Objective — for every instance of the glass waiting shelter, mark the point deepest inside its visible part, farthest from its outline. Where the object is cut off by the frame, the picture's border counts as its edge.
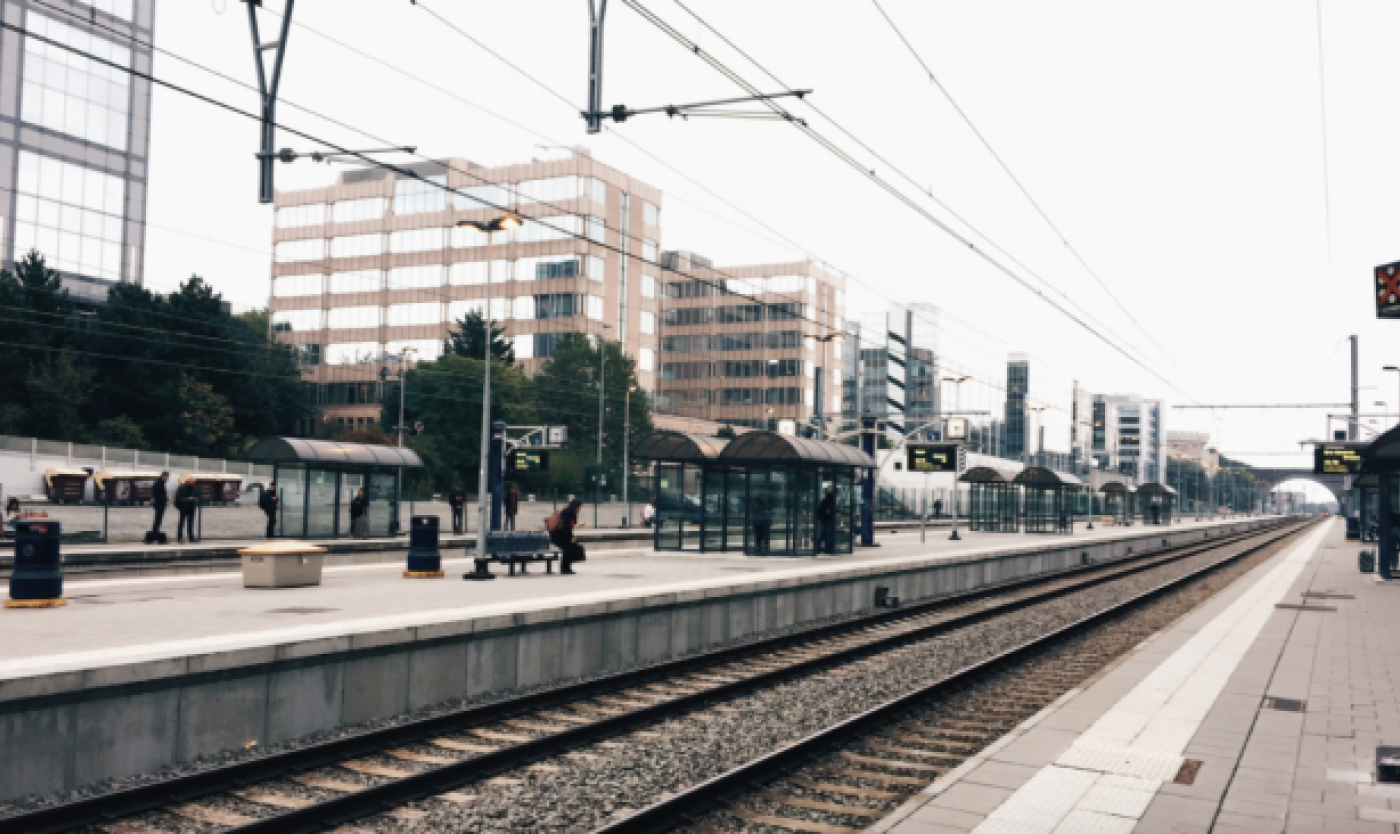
(1048, 498)
(1118, 498)
(1156, 503)
(763, 493)
(994, 500)
(1368, 486)
(317, 479)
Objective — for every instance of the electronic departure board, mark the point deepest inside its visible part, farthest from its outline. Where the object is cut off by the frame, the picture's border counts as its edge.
(528, 461)
(1336, 460)
(940, 457)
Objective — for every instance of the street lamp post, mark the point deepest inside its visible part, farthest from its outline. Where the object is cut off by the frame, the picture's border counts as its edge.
(602, 385)
(403, 384)
(626, 454)
(957, 407)
(505, 223)
(820, 412)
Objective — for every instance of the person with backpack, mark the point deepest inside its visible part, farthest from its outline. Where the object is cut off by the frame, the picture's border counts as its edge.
(359, 515)
(267, 502)
(561, 533)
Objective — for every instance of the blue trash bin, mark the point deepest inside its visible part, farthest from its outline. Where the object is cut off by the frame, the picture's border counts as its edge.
(37, 580)
(424, 558)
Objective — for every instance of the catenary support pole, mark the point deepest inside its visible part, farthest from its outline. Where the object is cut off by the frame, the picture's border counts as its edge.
(482, 465)
(268, 85)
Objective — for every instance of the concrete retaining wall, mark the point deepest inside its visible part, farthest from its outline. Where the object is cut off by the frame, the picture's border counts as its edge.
(60, 731)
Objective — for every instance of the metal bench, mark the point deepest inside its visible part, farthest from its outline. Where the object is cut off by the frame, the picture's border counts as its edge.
(512, 548)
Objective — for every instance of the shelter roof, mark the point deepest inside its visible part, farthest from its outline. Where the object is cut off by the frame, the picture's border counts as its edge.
(675, 445)
(1117, 487)
(765, 446)
(987, 475)
(304, 450)
(1384, 451)
(1040, 476)
(1154, 488)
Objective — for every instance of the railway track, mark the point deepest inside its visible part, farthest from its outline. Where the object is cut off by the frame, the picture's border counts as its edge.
(402, 774)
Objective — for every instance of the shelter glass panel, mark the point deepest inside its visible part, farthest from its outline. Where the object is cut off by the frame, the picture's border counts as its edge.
(291, 505)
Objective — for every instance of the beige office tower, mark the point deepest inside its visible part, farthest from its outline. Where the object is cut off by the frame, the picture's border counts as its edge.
(376, 267)
(736, 346)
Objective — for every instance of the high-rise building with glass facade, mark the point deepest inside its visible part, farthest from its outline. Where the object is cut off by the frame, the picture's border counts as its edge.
(735, 344)
(376, 265)
(75, 138)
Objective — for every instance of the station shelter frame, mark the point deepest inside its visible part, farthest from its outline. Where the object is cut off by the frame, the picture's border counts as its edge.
(1048, 499)
(1156, 503)
(317, 479)
(1118, 501)
(1382, 459)
(758, 494)
(1367, 486)
(994, 501)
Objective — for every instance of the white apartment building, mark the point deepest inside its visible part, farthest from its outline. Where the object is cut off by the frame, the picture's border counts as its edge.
(376, 264)
(1124, 436)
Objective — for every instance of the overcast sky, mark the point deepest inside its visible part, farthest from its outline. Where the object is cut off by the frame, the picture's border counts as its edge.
(1178, 148)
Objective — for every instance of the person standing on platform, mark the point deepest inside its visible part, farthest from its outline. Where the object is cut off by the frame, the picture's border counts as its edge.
(762, 524)
(359, 515)
(268, 504)
(186, 500)
(511, 507)
(159, 501)
(562, 535)
(938, 508)
(826, 522)
(649, 512)
(457, 500)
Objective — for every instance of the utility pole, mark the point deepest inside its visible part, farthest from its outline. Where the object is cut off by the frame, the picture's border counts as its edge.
(1355, 391)
(268, 84)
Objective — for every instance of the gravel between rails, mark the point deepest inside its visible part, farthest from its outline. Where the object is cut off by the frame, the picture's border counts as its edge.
(580, 791)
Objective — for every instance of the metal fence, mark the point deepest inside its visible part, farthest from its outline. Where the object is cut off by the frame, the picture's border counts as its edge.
(105, 457)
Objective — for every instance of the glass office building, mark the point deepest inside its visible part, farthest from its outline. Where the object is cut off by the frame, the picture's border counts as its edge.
(75, 138)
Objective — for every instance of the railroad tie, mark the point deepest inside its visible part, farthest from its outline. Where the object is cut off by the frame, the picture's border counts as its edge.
(325, 784)
(425, 758)
(893, 764)
(377, 770)
(828, 807)
(464, 746)
(794, 825)
(199, 813)
(276, 800)
(881, 777)
(496, 735)
(846, 790)
(125, 827)
(453, 796)
(537, 726)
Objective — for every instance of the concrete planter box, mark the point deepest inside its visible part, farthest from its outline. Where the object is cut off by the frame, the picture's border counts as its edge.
(283, 565)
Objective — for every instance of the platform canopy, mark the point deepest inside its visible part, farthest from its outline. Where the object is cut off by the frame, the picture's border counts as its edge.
(987, 475)
(1117, 488)
(679, 446)
(331, 453)
(1154, 488)
(758, 447)
(1384, 452)
(1042, 477)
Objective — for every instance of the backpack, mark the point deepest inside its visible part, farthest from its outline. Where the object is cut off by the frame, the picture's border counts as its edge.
(554, 523)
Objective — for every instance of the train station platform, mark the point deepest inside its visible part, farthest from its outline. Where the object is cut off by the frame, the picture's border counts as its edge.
(139, 672)
(1262, 711)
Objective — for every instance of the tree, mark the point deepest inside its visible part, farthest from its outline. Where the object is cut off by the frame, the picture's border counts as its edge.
(120, 432)
(727, 432)
(58, 390)
(445, 396)
(567, 390)
(206, 417)
(467, 335)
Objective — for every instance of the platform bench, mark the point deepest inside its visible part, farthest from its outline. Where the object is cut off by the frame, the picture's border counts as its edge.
(512, 548)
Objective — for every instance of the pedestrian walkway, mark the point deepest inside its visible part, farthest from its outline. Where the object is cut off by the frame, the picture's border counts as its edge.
(1260, 712)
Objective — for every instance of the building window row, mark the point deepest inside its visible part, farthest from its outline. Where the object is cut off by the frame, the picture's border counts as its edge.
(71, 93)
(772, 340)
(429, 276)
(71, 214)
(369, 353)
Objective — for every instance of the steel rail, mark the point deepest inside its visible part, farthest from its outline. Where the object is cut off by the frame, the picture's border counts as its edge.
(682, 808)
(143, 798)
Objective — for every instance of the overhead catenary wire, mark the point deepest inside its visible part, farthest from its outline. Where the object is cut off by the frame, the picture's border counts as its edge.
(1017, 180)
(900, 196)
(725, 290)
